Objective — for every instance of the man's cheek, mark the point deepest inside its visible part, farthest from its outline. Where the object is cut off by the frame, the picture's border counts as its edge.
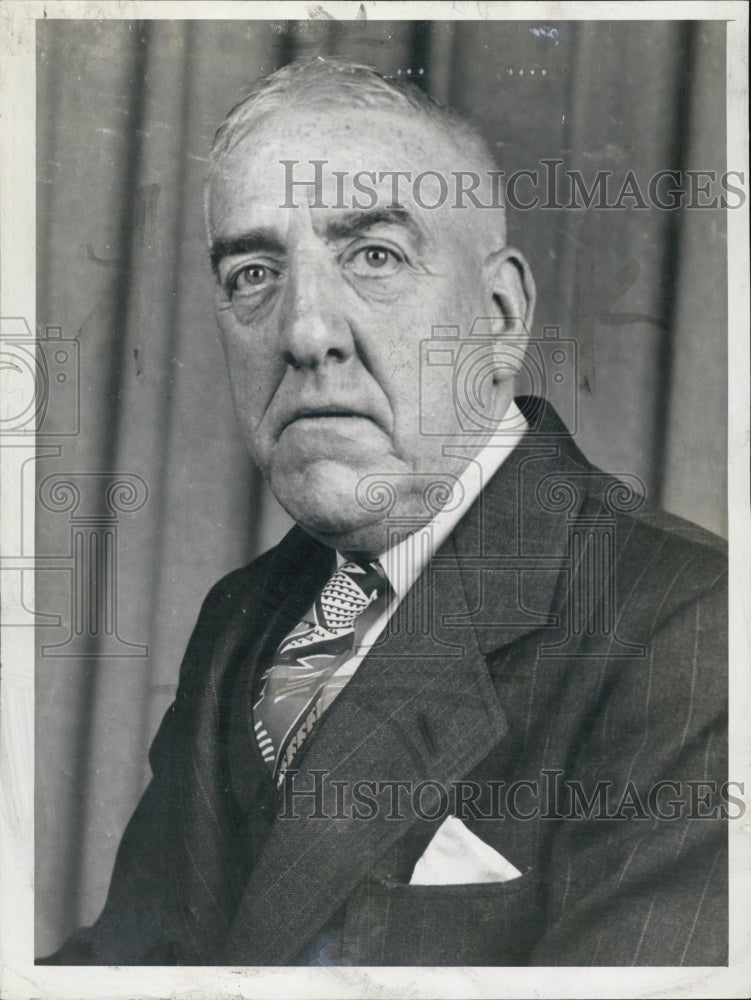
(251, 393)
(248, 371)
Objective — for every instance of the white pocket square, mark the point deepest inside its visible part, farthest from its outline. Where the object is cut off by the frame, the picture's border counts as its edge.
(456, 856)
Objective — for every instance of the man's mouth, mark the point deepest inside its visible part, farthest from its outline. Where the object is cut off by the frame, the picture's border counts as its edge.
(340, 417)
(326, 412)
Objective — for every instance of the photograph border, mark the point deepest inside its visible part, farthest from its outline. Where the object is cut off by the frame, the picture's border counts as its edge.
(19, 977)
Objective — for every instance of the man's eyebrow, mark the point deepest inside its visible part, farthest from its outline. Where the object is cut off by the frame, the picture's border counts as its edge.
(259, 240)
(352, 223)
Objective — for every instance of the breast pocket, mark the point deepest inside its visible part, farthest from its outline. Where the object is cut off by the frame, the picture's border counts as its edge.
(491, 923)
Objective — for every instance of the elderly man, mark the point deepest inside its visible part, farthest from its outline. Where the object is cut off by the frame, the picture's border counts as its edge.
(470, 710)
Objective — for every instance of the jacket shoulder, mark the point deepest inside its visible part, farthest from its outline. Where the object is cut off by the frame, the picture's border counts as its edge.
(664, 564)
(682, 530)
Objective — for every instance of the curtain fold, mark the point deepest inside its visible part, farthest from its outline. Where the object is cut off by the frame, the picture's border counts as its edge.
(127, 111)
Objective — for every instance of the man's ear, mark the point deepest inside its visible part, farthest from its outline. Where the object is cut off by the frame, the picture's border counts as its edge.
(510, 288)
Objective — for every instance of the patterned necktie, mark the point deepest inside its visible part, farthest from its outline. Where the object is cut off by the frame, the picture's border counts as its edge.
(300, 685)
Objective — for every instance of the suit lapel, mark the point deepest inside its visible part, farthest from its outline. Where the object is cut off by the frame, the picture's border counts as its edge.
(513, 543)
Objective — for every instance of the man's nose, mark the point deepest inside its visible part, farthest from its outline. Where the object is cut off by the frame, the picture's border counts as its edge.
(315, 330)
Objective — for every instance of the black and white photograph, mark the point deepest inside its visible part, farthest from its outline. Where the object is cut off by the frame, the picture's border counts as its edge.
(376, 507)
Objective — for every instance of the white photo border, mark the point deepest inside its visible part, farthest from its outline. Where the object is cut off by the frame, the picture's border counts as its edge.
(19, 977)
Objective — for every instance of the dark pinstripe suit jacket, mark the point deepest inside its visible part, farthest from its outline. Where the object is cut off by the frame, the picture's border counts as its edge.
(562, 659)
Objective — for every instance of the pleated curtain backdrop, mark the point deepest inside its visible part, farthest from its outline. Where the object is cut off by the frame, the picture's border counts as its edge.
(126, 114)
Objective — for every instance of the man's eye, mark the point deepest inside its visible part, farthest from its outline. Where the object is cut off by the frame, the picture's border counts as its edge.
(375, 260)
(377, 256)
(248, 278)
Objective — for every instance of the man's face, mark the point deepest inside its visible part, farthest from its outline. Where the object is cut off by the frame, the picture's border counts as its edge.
(322, 310)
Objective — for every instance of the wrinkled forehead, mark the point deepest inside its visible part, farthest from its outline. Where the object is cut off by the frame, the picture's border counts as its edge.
(326, 158)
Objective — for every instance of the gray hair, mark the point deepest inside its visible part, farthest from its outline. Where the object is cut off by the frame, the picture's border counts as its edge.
(323, 81)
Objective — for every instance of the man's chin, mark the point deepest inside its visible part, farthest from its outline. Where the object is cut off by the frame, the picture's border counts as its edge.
(329, 501)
